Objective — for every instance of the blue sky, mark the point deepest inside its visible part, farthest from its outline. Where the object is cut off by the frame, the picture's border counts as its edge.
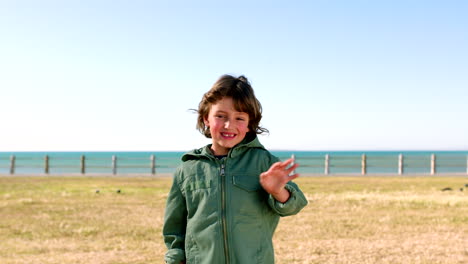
(331, 75)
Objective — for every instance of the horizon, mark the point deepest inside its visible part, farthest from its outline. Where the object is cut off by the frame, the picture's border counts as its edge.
(270, 150)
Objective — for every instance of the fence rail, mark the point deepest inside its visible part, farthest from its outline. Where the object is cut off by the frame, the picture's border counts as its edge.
(83, 164)
(327, 164)
(400, 163)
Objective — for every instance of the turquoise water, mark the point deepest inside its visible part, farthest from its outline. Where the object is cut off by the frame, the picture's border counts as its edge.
(379, 162)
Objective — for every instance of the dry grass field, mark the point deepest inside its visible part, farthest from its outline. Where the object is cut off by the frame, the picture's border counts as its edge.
(348, 220)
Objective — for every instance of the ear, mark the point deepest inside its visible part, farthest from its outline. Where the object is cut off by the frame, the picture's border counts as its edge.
(207, 123)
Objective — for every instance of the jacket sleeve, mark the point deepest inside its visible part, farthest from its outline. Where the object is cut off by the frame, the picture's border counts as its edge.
(293, 205)
(175, 222)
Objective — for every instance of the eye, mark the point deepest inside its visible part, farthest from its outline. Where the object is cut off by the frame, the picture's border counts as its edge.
(219, 116)
(241, 119)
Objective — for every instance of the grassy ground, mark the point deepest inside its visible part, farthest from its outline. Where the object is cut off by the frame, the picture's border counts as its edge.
(348, 220)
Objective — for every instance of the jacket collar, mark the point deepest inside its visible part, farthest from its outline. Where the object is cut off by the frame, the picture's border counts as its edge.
(250, 141)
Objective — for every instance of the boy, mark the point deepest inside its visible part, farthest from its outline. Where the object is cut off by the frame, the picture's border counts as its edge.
(227, 197)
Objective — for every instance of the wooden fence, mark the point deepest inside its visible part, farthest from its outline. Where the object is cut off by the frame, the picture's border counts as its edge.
(326, 164)
(83, 167)
(400, 164)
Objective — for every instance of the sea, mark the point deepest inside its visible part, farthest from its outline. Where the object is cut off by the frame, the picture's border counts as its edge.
(311, 162)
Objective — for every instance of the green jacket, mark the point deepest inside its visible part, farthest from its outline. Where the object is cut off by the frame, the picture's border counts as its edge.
(217, 211)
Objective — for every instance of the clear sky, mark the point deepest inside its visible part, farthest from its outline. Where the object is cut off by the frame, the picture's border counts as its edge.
(331, 75)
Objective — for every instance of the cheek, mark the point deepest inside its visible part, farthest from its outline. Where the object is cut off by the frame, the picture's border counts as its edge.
(215, 125)
(244, 128)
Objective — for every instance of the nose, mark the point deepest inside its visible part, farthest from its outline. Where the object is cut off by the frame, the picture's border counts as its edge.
(227, 124)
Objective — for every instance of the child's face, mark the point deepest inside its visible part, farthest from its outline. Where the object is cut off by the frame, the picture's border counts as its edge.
(228, 127)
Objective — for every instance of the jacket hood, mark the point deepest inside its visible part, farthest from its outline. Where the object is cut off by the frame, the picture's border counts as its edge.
(205, 152)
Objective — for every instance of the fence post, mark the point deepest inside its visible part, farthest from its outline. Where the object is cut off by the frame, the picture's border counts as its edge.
(153, 164)
(363, 164)
(400, 164)
(114, 164)
(433, 164)
(327, 164)
(12, 164)
(46, 164)
(82, 164)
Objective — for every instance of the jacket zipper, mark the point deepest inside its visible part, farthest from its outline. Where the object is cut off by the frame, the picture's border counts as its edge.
(223, 210)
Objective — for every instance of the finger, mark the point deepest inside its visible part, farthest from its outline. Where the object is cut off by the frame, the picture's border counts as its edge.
(292, 168)
(294, 176)
(276, 166)
(286, 163)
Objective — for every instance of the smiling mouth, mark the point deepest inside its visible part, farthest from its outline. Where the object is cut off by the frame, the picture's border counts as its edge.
(228, 135)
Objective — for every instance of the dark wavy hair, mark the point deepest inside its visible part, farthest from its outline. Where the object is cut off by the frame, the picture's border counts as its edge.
(243, 96)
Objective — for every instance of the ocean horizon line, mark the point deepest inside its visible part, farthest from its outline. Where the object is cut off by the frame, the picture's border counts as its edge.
(271, 150)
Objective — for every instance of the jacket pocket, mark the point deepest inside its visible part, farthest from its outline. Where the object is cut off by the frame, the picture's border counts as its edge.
(247, 181)
(249, 197)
